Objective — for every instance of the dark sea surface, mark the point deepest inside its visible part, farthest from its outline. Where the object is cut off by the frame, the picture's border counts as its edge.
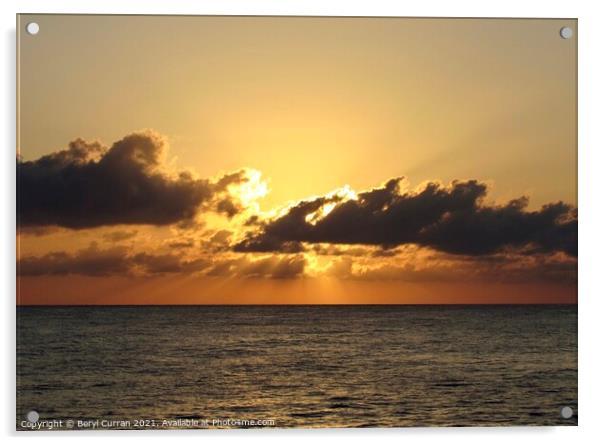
(299, 366)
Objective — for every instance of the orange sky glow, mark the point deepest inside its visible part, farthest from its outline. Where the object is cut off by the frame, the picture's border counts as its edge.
(264, 160)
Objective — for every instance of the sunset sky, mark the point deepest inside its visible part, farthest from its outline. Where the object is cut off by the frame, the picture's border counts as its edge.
(239, 160)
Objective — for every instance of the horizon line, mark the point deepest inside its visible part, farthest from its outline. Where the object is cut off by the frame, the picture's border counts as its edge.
(294, 304)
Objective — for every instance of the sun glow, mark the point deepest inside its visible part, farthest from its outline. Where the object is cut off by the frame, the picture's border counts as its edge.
(254, 188)
(342, 194)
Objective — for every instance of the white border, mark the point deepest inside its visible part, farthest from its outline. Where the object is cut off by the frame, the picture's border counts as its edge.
(590, 222)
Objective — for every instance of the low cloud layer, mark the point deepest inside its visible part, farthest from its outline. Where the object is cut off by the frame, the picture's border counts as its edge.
(412, 266)
(502, 268)
(90, 261)
(88, 185)
(450, 219)
(277, 267)
(95, 261)
(117, 261)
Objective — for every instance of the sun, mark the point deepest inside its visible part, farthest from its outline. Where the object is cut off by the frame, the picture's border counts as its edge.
(254, 188)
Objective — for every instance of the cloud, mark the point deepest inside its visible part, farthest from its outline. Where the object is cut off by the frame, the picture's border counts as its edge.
(429, 266)
(499, 269)
(118, 261)
(341, 268)
(289, 267)
(119, 235)
(185, 244)
(451, 219)
(90, 261)
(157, 264)
(274, 266)
(93, 261)
(342, 250)
(88, 185)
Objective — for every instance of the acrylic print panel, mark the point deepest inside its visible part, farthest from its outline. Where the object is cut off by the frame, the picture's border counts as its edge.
(230, 222)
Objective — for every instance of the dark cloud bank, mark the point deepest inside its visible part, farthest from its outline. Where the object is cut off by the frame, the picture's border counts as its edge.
(450, 219)
(89, 185)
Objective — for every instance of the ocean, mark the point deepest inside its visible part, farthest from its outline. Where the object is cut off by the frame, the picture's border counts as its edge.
(296, 366)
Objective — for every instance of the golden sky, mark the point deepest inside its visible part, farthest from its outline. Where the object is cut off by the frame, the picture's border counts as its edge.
(296, 160)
